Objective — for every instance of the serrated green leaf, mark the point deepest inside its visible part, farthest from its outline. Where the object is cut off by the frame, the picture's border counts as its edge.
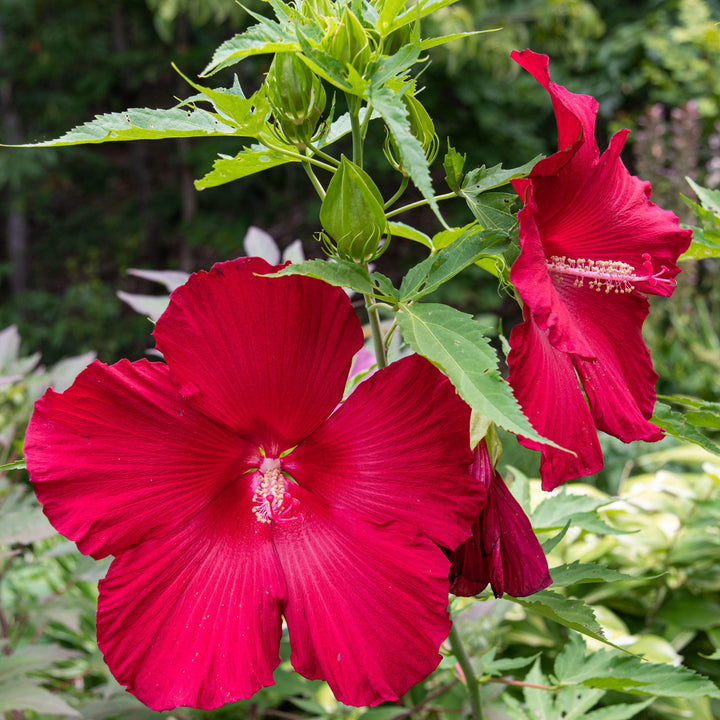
(144, 124)
(409, 233)
(341, 273)
(265, 37)
(395, 115)
(577, 572)
(384, 68)
(432, 42)
(24, 694)
(710, 199)
(385, 286)
(631, 674)
(549, 545)
(493, 210)
(248, 114)
(677, 425)
(389, 10)
(483, 179)
(498, 666)
(557, 510)
(328, 67)
(17, 465)
(253, 159)
(569, 612)
(454, 342)
(428, 275)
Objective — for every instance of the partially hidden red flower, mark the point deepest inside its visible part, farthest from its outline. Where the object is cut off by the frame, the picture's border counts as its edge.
(503, 549)
(231, 494)
(592, 246)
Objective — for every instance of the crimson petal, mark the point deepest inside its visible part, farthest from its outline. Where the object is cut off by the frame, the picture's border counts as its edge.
(397, 448)
(268, 357)
(546, 386)
(193, 618)
(366, 602)
(503, 549)
(121, 453)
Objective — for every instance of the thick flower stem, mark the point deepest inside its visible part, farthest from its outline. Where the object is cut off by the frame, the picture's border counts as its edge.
(313, 179)
(377, 337)
(465, 663)
(357, 138)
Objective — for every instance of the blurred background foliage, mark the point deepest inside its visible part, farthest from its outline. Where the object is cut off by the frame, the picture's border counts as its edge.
(76, 219)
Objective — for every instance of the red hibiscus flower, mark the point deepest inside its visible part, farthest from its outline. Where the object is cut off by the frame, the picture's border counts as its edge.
(503, 549)
(592, 246)
(231, 494)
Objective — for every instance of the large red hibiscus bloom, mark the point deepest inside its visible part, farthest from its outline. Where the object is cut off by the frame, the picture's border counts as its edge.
(232, 490)
(503, 550)
(592, 246)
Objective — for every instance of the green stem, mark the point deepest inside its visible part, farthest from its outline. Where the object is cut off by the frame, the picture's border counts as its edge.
(377, 338)
(357, 140)
(419, 203)
(317, 151)
(296, 155)
(313, 179)
(465, 663)
(399, 193)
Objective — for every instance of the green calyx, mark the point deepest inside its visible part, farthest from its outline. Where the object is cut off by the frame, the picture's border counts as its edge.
(421, 126)
(296, 96)
(350, 43)
(352, 213)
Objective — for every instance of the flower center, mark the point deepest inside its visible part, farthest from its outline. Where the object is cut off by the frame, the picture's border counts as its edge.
(608, 275)
(272, 501)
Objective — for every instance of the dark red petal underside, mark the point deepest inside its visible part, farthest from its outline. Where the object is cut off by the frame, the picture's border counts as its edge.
(267, 357)
(193, 618)
(120, 454)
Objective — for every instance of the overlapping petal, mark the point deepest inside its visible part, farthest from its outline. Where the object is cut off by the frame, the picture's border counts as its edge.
(267, 357)
(366, 601)
(120, 454)
(398, 448)
(585, 344)
(503, 549)
(193, 618)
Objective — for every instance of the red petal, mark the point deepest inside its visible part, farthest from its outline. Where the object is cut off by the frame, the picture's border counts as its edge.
(192, 618)
(503, 549)
(575, 116)
(366, 602)
(120, 454)
(546, 386)
(268, 357)
(606, 215)
(373, 454)
(620, 384)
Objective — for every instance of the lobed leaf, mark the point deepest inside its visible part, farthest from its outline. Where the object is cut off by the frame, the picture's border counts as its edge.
(577, 572)
(678, 425)
(341, 273)
(144, 124)
(454, 342)
(428, 275)
(395, 115)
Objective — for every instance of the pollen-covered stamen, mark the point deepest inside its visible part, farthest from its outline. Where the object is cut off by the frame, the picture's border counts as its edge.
(272, 501)
(607, 275)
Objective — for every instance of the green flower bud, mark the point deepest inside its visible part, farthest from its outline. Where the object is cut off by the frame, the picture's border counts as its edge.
(297, 97)
(421, 126)
(397, 39)
(353, 214)
(350, 43)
